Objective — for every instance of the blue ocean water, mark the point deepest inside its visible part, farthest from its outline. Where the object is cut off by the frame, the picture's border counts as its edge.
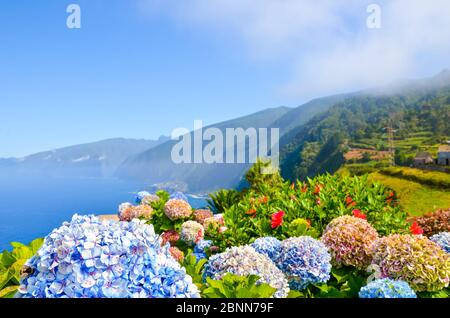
(32, 208)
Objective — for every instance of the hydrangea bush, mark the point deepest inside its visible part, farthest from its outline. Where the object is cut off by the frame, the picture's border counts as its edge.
(213, 224)
(201, 215)
(89, 258)
(304, 261)
(387, 288)
(414, 259)
(176, 253)
(200, 249)
(150, 199)
(434, 222)
(128, 212)
(243, 261)
(176, 209)
(349, 240)
(192, 232)
(125, 212)
(202, 245)
(269, 246)
(443, 240)
(141, 195)
(171, 237)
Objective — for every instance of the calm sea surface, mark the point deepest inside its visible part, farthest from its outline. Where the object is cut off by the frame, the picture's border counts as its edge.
(32, 208)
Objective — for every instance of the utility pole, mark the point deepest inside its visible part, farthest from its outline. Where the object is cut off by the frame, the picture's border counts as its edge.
(391, 146)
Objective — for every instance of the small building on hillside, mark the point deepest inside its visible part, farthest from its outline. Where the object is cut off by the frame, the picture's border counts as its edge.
(422, 159)
(444, 155)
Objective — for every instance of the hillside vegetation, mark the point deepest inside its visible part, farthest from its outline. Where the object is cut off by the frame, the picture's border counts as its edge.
(420, 116)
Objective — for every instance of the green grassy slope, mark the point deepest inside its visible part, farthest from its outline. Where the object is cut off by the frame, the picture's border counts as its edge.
(414, 197)
(417, 191)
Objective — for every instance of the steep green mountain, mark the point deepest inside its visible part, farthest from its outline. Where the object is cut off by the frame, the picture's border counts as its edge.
(295, 118)
(409, 107)
(155, 165)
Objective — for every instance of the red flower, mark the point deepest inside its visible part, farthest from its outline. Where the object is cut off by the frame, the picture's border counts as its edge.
(390, 197)
(358, 214)
(277, 219)
(317, 189)
(309, 222)
(251, 212)
(349, 201)
(415, 229)
(263, 200)
(318, 202)
(305, 188)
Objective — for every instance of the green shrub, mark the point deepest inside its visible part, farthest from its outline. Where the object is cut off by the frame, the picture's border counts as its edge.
(318, 201)
(194, 269)
(160, 221)
(344, 283)
(431, 178)
(233, 286)
(221, 200)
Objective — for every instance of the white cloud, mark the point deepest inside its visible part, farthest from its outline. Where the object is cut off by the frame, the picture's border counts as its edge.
(326, 41)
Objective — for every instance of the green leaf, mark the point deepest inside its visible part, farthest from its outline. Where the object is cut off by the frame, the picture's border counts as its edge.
(5, 277)
(339, 275)
(295, 294)
(7, 259)
(9, 291)
(17, 244)
(355, 283)
(22, 253)
(36, 245)
(233, 286)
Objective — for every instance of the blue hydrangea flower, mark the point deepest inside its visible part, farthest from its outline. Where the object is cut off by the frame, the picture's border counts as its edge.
(443, 240)
(90, 258)
(387, 288)
(141, 195)
(202, 245)
(243, 261)
(179, 196)
(269, 246)
(199, 256)
(304, 261)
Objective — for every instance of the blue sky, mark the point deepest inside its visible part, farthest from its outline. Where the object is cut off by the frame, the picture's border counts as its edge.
(141, 68)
